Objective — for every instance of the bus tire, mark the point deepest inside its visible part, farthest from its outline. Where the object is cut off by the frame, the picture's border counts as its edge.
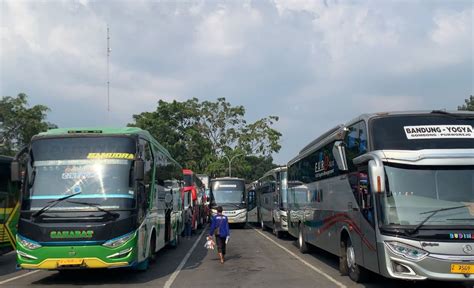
(142, 266)
(174, 243)
(152, 255)
(276, 232)
(301, 241)
(356, 273)
(343, 269)
(262, 225)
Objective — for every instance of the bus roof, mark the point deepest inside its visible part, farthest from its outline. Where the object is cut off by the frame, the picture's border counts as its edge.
(227, 178)
(89, 131)
(5, 159)
(337, 132)
(274, 170)
(368, 116)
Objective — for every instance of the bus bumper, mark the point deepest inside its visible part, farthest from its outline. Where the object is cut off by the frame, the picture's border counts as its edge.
(434, 266)
(76, 256)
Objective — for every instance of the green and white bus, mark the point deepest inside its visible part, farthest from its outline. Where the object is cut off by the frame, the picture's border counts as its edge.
(97, 198)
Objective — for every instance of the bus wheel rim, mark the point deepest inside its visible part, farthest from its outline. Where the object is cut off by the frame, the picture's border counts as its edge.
(350, 257)
(300, 238)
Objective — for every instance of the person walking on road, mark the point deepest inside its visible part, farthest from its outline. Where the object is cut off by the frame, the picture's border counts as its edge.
(188, 222)
(220, 229)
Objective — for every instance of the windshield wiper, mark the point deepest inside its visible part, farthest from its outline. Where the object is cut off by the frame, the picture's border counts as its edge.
(433, 212)
(114, 215)
(52, 204)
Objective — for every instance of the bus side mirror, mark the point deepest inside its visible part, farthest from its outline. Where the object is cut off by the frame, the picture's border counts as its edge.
(139, 170)
(15, 171)
(377, 177)
(339, 153)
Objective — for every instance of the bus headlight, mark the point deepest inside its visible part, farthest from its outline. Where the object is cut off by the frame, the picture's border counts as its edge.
(119, 241)
(406, 251)
(27, 243)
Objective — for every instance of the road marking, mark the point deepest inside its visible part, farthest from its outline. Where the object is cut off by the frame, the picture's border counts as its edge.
(185, 259)
(329, 277)
(19, 276)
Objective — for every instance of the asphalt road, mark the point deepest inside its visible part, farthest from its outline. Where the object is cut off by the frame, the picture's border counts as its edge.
(254, 259)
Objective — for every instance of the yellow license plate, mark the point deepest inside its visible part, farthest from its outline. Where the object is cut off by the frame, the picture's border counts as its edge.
(462, 268)
(69, 262)
(230, 220)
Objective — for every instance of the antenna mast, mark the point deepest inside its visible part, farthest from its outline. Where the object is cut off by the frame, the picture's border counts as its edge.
(108, 80)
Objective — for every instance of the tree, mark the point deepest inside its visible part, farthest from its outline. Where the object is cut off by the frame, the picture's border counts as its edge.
(468, 104)
(174, 126)
(200, 134)
(18, 122)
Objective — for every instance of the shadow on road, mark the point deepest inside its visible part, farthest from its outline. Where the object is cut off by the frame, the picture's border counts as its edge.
(375, 280)
(8, 264)
(167, 260)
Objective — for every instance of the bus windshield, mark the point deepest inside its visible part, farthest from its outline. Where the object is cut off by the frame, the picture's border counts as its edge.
(228, 192)
(98, 169)
(414, 192)
(284, 189)
(427, 131)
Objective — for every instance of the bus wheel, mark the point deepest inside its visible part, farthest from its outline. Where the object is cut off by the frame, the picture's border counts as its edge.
(262, 226)
(276, 232)
(174, 243)
(356, 273)
(301, 241)
(152, 254)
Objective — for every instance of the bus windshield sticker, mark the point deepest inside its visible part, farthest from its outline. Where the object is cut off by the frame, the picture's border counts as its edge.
(129, 156)
(438, 131)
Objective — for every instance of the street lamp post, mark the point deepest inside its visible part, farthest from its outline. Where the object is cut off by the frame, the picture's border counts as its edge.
(230, 162)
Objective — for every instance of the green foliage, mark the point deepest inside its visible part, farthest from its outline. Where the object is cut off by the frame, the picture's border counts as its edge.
(200, 135)
(468, 104)
(18, 123)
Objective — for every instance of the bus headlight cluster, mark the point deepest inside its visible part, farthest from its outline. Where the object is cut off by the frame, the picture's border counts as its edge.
(28, 243)
(119, 241)
(283, 218)
(406, 251)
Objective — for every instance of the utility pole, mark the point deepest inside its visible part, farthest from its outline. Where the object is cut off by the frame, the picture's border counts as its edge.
(230, 162)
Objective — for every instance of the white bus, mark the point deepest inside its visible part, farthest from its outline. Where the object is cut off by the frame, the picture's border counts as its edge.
(230, 194)
(272, 201)
(391, 193)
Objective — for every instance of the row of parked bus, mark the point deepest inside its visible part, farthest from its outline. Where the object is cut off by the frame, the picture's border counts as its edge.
(388, 193)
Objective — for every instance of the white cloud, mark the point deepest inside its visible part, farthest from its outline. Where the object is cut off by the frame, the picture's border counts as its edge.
(313, 63)
(223, 31)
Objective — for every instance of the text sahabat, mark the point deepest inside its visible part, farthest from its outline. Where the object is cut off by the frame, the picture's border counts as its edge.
(129, 156)
(71, 234)
(438, 131)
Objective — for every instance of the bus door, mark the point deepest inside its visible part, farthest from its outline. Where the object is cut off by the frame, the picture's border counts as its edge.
(364, 217)
(251, 206)
(3, 218)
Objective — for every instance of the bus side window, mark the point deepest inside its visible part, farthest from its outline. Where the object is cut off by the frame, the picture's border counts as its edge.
(365, 195)
(355, 142)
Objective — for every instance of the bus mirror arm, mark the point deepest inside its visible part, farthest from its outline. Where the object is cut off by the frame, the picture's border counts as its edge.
(377, 176)
(339, 153)
(15, 167)
(15, 171)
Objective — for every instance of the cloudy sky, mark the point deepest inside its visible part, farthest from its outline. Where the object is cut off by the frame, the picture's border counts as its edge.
(314, 64)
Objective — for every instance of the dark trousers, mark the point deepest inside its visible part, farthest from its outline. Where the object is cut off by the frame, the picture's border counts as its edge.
(220, 244)
(188, 229)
